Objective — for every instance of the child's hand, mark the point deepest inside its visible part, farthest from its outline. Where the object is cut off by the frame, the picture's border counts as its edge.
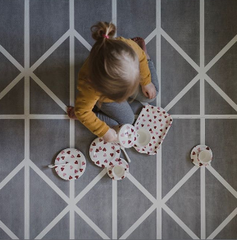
(110, 136)
(149, 90)
(71, 113)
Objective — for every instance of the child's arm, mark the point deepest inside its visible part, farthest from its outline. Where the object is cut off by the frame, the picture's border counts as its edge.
(144, 68)
(147, 86)
(84, 104)
(88, 118)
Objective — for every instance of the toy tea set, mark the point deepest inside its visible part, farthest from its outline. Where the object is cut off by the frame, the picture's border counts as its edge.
(146, 136)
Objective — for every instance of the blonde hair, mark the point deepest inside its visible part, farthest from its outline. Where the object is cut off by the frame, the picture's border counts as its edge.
(113, 64)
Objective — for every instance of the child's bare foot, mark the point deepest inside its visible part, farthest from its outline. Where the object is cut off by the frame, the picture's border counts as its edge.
(140, 41)
(71, 113)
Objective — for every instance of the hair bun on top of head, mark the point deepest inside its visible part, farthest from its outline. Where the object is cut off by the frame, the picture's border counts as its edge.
(103, 30)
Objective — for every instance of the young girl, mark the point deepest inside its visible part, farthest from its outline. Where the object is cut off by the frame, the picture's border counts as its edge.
(116, 69)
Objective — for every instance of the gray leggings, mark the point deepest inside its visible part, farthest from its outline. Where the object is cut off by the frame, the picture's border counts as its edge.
(122, 113)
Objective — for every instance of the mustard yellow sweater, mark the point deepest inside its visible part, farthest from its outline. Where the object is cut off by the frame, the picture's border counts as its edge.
(87, 96)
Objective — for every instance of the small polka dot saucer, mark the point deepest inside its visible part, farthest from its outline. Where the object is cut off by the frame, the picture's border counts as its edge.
(118, 169)
(127, 135)
(70, 164)
(201, 155)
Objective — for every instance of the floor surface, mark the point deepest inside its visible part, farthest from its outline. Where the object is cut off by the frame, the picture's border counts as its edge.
(43, 44)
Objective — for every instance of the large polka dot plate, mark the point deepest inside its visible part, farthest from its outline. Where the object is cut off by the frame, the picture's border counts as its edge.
(158, 122)
(70, 164)
(102, 153)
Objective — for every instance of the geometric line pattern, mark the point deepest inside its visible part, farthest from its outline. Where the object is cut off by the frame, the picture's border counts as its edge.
(159, 203)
